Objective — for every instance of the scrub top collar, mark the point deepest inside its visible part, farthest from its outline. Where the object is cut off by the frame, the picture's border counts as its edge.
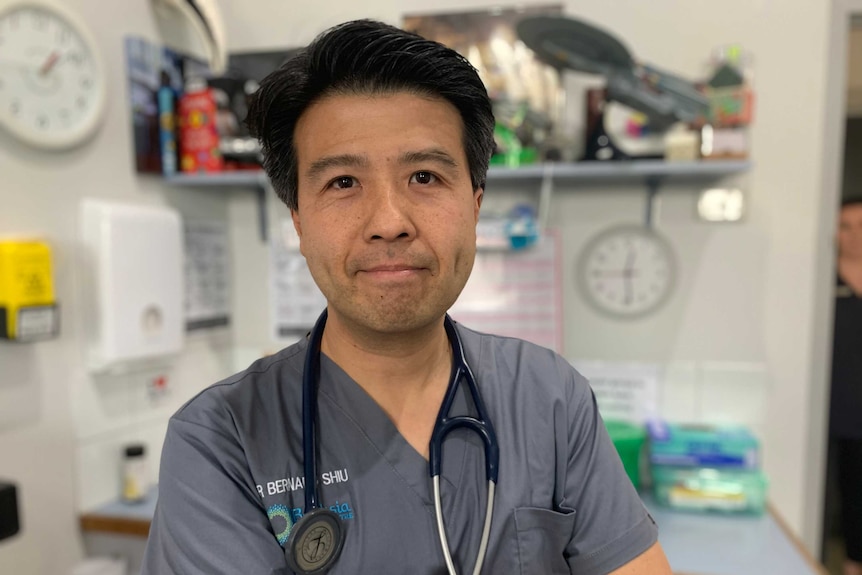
(355, 404)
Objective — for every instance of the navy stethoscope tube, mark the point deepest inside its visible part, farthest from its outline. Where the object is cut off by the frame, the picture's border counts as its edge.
(310, 375)
(443, 425)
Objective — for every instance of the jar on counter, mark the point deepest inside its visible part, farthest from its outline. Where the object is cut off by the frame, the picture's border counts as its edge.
(135, 477)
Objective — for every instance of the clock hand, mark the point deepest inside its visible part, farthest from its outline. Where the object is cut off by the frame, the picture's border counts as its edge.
(627, 275)
(49, 63)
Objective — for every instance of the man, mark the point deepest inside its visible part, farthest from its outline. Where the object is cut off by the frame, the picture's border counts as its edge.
(379, 142)
(845, 424)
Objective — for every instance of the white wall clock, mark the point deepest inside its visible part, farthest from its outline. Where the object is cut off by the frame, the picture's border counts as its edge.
(52, 83)
(627, 271)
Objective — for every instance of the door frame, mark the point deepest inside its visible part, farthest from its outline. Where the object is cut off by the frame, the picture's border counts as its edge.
(840, 19)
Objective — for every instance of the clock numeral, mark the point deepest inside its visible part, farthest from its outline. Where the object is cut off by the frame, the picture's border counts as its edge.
(15, 108)
(43, 122)
(40, 21)
(64, 114)
(63, 35)
(75, 57)
(81, 101)
(86, 83)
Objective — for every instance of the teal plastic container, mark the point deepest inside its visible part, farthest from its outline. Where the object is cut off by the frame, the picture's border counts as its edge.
(629, 441)
(712, 490)
(712, 446)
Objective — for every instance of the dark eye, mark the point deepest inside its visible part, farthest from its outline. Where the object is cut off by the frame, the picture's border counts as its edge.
(423, 178)
(343, 182)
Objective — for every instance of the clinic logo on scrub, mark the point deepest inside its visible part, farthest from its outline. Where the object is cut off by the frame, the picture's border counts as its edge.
(291, 516)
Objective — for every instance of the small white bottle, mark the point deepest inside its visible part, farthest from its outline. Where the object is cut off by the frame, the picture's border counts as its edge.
(135, 473)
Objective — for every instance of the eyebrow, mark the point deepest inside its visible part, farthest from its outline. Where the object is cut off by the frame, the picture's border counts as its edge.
(430, 155)
(340, 161)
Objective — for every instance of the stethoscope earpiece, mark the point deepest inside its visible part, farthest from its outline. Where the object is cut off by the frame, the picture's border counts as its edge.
(315, 542)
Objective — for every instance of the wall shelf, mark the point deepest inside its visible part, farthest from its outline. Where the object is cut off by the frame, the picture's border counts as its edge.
(623, 171)
(250, 179)
(651, 173)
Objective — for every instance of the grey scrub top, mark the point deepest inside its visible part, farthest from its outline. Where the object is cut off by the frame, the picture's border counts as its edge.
(231, 481)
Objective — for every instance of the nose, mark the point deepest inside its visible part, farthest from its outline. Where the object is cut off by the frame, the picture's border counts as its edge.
(389, 214)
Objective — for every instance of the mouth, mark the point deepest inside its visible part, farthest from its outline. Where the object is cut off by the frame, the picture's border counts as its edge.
(392, 271)
(391, 268)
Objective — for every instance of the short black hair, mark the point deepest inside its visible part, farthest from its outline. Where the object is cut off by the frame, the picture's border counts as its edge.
(366, 57)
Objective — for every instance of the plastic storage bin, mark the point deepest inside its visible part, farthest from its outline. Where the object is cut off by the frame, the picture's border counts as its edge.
(714, 446)
(715, 490)
(629, 440)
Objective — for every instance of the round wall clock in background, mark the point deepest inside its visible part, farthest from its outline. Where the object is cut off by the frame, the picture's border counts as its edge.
(626, 271)
(52, 83)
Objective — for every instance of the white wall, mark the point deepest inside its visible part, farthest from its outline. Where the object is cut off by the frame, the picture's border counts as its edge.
(61, 430)
(742, 323)
(742, 317)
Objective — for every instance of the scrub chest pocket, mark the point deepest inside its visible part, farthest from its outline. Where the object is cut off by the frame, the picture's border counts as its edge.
(542, 536)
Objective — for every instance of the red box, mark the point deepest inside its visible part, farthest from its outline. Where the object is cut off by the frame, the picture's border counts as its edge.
(198, 136)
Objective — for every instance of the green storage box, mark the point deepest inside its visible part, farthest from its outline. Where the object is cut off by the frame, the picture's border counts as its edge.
(629, 440)
(705, 489)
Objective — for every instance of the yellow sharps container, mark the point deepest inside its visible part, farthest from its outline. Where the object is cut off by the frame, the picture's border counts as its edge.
(27, 307)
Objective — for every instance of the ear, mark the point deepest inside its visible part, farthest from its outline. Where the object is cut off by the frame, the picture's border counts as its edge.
(477, 201)
(294, 215)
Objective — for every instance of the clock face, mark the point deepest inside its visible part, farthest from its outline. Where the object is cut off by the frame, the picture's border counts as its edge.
(627, 271)
(52, 91)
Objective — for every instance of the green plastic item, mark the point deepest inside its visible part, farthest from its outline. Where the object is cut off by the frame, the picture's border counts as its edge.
(629, 439)
(511, 153)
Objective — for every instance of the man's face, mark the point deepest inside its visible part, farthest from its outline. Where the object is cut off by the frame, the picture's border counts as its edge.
(387, 213)
(850, 231)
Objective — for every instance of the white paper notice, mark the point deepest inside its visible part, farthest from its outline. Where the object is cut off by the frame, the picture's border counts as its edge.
(296, 300)
(207, 267)
(516, 293)
(624, 391)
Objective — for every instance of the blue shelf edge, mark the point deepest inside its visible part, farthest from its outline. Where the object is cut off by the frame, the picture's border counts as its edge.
(623, 170)
(618, 170)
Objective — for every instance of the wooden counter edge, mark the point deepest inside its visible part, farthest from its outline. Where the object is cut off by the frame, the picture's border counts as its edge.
(93, 522)
(816, 566)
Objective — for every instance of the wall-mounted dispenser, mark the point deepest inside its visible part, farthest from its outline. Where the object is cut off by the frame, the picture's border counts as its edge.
(27, 308)
(10, 523)
(136, 305)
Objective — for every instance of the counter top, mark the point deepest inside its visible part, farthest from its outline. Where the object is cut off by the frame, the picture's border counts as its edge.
(715, 544)
(120, 517)
(695, 543)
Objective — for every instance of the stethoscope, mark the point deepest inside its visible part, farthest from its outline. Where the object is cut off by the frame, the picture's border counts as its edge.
(316, 539)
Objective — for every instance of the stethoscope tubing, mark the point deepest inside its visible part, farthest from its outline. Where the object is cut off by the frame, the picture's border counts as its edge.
(309, 412)
(442, 427)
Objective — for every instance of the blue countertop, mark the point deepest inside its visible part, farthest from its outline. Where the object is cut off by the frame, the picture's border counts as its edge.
(716, 544)
(695, 543)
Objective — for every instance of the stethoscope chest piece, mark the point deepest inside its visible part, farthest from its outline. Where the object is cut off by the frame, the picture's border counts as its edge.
(315, 542)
